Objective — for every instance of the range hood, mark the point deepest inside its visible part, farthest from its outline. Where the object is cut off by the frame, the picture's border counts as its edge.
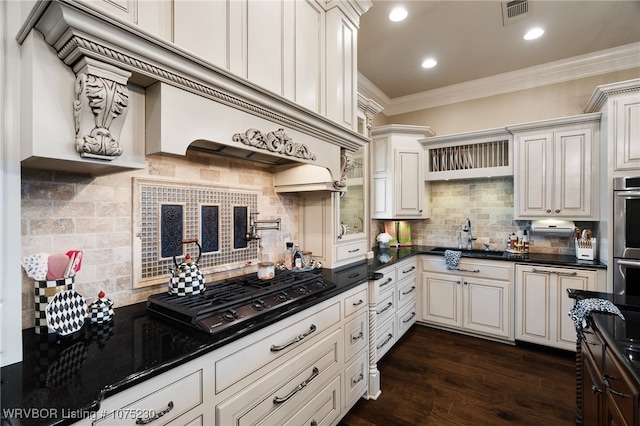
(190, 103)
(553, 228)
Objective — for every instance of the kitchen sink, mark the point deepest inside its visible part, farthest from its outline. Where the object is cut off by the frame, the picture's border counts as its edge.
(470, 253)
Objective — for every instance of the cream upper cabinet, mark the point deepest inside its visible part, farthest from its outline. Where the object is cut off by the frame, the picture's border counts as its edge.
(620, 107)
(542, 303)
(302, 50)
(399, 190)
(556, 171)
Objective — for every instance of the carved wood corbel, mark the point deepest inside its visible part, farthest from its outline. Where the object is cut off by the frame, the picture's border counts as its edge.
(346, 164)
(100, 108)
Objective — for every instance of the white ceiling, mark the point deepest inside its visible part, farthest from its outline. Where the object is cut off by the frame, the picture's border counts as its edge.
(470, 42)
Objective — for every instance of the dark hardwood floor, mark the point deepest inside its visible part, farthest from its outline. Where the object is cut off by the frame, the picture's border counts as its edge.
(433, 377)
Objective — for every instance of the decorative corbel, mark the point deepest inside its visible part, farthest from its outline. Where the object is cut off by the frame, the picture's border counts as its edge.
(100, 108)
(346, 164)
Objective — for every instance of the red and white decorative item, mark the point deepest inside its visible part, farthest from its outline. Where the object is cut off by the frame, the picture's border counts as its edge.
(101, 310)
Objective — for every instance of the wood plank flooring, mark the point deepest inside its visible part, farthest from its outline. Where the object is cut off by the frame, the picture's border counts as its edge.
(433, 377)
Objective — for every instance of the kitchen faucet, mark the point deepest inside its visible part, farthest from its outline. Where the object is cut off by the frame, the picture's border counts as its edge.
(467, 235)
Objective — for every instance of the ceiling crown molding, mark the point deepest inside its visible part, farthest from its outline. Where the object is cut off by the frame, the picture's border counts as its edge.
(577, 67)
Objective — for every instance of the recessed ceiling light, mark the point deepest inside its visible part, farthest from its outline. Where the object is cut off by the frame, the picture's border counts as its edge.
(429, 63)
(533, 34)
(398, 14)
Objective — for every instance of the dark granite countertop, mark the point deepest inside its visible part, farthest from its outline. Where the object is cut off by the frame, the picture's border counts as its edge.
(66, 378)
(622, 336)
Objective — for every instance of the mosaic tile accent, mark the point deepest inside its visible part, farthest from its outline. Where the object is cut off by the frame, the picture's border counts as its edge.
(171, 229)
(201, 204)
(210, 227)
(240, 225)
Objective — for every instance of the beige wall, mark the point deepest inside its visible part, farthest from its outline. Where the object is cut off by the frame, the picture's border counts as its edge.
(63, 211)
(552, 101)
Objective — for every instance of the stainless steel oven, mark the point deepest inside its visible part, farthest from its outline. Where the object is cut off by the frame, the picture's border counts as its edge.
(626, 235)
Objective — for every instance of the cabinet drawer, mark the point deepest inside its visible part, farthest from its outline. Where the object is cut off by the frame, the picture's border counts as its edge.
(351, 250)
(386, 337)
(355, 302)
(173, 399)
(322, 410)
(280, 392)
(406, 292)
(406, 318)
(496, 270)
(355, 335)
(237, 365)
(387, 282)
(620, 389)
(386, 308)
(356, 379)
(406, 270)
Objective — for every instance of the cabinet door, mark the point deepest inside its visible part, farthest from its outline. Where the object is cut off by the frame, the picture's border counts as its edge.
(533, 305)
(409, 184)
(626, 125)
(486, 306)
(441, 299)
(533, 180)
(580, 280)
(573, 174)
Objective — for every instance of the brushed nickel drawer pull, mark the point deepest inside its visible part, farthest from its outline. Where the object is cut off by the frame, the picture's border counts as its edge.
(409, 270)
(411, 290)
(389, 280)
(156, 416)
(389, 337)
(357, 380)
(385, 308)
(314, 374)
(413, 314)
(465, 270)
(276, 348)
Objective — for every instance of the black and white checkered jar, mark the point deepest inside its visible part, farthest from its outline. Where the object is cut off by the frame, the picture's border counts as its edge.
(44, 294)
(101, 310)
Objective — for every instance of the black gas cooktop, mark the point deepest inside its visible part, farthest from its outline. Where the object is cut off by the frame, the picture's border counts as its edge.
(240, 302)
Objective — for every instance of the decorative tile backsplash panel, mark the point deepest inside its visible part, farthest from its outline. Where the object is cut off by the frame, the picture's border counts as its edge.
(165, 213)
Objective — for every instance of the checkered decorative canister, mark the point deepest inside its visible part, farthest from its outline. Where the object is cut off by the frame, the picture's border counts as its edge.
(44, 294)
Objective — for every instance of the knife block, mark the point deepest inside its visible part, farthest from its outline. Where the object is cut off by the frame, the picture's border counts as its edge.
(44, 293)
(585, 248)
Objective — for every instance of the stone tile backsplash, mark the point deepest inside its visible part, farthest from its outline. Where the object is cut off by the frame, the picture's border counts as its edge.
(63, 211)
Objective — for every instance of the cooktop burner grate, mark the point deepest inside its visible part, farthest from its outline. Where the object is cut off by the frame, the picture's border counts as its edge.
(232, 301)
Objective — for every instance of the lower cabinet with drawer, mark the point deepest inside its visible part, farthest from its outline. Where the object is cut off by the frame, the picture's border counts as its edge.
(392, 311)
(474, 298)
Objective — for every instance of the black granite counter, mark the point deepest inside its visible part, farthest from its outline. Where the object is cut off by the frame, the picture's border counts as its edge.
(63, 379)
(622, 336)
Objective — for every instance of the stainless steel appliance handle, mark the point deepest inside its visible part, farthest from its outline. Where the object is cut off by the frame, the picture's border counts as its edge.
(623, 262)
(314, 374)
(276, 348)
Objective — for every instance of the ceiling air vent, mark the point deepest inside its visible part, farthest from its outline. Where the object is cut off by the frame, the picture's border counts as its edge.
(513, 11)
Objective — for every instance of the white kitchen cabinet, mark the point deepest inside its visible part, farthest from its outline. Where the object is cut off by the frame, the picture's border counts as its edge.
(542, 303)
(391, 312)
(179, 395)
(484, 153)
(556, 172)
(476, 298)
(620, 106)
(334, 226)
(399, 190)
